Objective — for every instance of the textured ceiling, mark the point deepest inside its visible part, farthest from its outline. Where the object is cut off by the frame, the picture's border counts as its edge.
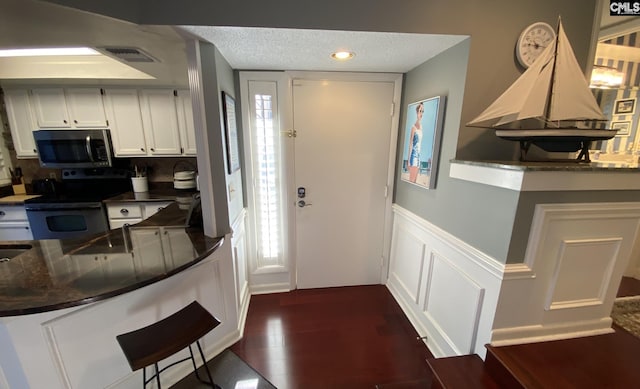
(294, 49)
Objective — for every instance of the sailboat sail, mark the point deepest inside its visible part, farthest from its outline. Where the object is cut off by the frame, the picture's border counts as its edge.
(552, 89)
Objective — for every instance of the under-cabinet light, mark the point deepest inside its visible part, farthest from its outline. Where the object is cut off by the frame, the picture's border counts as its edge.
(48, 51)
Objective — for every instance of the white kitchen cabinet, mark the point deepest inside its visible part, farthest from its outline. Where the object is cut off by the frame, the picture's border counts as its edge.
(160, 120)
(50, 107)
(132, 212)
(86, 109)
(105, 265)
(22, 122)
(69, 108)
(124, 213)
(125, 122)
(186, 123)
(14, 224)
(155, 248)
(176, 244)
(149, 209)
(148, 254)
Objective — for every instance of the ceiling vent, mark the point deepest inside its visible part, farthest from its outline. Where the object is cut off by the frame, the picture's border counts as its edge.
(129, 54)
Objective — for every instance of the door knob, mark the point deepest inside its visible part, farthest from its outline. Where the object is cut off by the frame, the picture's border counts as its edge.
(303, 204)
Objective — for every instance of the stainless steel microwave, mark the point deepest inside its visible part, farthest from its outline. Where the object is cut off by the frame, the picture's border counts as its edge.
(74, 148)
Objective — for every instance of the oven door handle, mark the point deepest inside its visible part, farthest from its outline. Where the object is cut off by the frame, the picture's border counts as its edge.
(88, 146)
(62, 209)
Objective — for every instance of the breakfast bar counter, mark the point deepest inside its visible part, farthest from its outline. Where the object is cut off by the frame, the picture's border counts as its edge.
(45, 275)
(63, 301)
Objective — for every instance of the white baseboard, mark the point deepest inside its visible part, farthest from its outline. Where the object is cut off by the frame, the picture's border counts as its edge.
(546, 333)
(270, 288)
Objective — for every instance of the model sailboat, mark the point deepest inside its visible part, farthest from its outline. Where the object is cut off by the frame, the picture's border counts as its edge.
(550, 105)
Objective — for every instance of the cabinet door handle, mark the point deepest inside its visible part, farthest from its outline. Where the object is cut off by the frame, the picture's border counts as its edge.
(141, 149)
(2, 213)
(124, 210)
(75, 121)
(35, 151)
(152, 149)
(65, 122)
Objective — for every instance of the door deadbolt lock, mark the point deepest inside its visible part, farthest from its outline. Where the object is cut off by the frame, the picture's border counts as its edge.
(302, 192)
(303, 204)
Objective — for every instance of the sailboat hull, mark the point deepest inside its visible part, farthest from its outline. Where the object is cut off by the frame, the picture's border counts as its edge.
(557, 139)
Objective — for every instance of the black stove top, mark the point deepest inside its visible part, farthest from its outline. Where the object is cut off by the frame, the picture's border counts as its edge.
(86, 185)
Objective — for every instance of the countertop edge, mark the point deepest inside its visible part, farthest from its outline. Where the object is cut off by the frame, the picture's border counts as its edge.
(544, 177)
(113, 293)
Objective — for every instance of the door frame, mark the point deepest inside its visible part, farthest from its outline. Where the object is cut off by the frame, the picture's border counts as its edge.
(284, 81)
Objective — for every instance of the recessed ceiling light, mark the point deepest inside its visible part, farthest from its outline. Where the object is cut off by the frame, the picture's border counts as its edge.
(342, 55)
(47, 51)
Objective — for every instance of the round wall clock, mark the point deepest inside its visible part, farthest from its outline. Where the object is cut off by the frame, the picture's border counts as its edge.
(532, 42)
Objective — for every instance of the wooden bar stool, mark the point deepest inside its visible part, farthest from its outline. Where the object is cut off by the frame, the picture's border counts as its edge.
(149, 345)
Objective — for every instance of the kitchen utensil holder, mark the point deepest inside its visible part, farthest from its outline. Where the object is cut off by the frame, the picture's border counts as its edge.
(140, 184)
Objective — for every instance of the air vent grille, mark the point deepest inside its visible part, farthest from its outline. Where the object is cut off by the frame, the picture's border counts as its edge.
(130, 54)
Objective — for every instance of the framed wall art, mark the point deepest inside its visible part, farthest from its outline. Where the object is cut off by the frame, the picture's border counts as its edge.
(622, 127)
(422, 137)
(231, 132)
(624, 107)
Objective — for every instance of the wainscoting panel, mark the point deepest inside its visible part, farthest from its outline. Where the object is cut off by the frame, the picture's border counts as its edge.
(576, 254)
(409, 250)
(448, 289)
(570, 289)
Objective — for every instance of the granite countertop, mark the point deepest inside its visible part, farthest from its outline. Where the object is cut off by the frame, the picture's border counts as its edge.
(554, 166)
(55, 274)
(16, 199)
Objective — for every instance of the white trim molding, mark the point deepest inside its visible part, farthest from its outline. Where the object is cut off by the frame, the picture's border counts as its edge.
(462, 299)
(538, 177)
(575, 258)
(430, 272)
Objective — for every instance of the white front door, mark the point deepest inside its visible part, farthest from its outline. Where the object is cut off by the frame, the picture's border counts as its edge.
(343, 156)
(342, 148)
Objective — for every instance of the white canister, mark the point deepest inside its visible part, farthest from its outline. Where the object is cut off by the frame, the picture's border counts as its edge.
(140, 184)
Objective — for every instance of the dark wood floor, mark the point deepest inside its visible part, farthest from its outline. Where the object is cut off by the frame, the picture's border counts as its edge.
(354, 337)
(351, 337)
(629, 287)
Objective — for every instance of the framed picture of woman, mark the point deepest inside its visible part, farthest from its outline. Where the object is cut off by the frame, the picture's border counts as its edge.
(423, 130)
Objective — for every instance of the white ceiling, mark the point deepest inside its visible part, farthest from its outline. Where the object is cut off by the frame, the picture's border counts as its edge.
(31, 23)
(294, 49)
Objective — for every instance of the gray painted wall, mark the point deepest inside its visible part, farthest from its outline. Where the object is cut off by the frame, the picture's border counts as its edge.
(528, 201)
(464, 209)
(226, 83)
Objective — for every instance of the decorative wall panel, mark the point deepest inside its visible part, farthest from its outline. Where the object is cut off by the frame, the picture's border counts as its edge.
(447, 288)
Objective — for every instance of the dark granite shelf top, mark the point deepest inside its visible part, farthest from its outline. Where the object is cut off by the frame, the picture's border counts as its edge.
(55, 274)
(554, 166)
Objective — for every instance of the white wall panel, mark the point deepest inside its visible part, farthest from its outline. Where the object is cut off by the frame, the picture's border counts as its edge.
(453, 302)
(583, 272)
(408, 252)
(448, 289)
(575, 258)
